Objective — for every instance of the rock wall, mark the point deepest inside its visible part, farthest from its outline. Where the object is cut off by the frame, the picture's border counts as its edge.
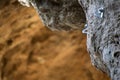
(103, 34)
(29, 51)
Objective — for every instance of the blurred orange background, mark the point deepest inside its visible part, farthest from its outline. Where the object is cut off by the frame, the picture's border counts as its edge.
(30, 51)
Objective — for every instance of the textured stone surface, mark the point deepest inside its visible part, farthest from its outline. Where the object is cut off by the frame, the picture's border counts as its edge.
(60, 14)
(29, 51)
(103, 30)
(103, 36)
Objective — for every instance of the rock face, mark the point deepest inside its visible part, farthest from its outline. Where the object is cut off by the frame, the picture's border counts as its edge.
(103, 36)
(103, 27)
(60, 14)
(29, 51)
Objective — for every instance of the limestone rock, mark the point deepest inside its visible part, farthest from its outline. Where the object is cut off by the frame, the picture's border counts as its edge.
(60, 14)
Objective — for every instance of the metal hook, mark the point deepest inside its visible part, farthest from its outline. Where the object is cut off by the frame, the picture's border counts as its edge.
(85, 30)
(100, 12)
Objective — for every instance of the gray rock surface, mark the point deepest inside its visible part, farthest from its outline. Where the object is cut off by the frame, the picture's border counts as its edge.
(103, 31)
(60, 14)
(103, 38)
